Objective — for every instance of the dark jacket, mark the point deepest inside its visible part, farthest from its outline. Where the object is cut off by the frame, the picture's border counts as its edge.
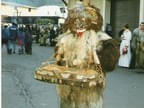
(5, 33)
(13, 32)
(28, 37)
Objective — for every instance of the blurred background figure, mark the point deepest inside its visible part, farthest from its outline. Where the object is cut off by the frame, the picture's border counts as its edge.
(108, 29)
(13, 30)
(138, 46)
(125, 52)
(5, 36)
(21, 38)
(43, 36)
(37, 33)
(28, 40)
(52, 36)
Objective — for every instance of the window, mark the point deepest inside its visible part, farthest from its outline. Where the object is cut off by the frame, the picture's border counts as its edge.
(29, 9)
(62, 10)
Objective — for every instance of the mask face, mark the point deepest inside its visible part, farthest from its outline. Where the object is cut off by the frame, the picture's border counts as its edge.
(84, 18)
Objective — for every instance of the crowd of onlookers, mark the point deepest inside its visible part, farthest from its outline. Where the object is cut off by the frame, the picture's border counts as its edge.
(22, 37)
(13, 36)
(131, 44)
(132, 47)
(47, 35)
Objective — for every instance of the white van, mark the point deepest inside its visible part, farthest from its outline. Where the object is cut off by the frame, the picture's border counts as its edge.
(52, 11)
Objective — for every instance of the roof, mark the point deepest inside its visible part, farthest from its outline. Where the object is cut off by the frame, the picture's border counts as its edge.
(34, 3)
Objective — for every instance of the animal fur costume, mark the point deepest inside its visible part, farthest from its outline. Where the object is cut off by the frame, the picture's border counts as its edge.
(84, 46)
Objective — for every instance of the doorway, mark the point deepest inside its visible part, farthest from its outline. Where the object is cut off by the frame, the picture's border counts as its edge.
(124, 12)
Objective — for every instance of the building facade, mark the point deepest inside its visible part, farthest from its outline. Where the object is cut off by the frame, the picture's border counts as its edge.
(118, 12)
(121, 12)
(114, 12)
(21, 13)
(10, 11)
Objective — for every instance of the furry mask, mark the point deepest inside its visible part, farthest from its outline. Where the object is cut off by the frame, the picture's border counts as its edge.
(83, 18)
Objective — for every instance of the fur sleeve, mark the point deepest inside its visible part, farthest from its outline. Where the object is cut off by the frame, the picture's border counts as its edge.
(59, 55)
(109, 54)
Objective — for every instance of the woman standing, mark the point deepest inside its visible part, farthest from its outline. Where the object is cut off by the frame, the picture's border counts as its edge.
(125, 52)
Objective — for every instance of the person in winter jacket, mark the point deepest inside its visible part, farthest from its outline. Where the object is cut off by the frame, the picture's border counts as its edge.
(28, 40)
(21, 38)
(12, 38)
(5, 36)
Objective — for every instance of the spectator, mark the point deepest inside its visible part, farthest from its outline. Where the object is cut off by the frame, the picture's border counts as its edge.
(43, 37)
(37, 34)
(125, 52)
(21, 38)
(52, 37)
(5, 36)
(108, 29)
(28, 40)
(138, 47)
(12, 38)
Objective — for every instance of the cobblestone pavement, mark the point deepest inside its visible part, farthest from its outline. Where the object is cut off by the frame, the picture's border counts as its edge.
(20, 90)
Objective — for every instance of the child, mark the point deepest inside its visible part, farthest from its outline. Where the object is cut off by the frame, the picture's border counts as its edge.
(21, 37)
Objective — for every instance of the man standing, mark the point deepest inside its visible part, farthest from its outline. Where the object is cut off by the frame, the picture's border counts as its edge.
(5, 36)
(138, 46)
(52, 36)
(12, 38)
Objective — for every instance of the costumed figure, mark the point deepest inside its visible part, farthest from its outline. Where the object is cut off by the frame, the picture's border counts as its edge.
(85, 46)
(125, 50)
(83, 55)
(138, 46)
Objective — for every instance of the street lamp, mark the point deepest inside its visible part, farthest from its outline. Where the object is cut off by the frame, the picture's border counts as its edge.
(16, 9)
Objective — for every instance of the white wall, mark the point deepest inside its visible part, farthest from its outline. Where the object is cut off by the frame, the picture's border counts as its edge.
(51, 11)
(7, 10)
(107, 11)
(141, 10)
